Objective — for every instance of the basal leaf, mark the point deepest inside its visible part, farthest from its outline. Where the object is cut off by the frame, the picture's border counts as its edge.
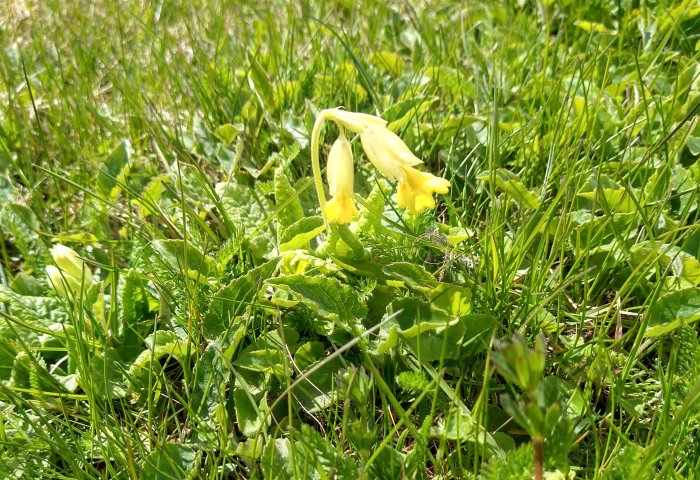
(431, 333)
(298, 235)
(249, 211)
(453, 299)
(335, 304)
(413, 275)
(251, 411)
(211, 377)
(289, 209)
(231, 300)
(169, 461)
(457, 425)
(134, 299)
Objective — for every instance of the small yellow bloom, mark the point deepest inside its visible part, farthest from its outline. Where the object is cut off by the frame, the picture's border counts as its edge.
(70, 275)
(416, 190)
(340, 173)
(394, 159)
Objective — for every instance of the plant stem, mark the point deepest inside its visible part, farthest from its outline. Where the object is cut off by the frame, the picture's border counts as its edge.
(315, 163)
(537, 443)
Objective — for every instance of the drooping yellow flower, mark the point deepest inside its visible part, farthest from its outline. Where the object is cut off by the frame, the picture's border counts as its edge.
(394, 159)
(340, 173)
(71, 275)
(416, 190)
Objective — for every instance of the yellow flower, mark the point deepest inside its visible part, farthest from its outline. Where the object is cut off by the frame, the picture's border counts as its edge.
(70, 276)
(416, 191)
(340, 173)
(394, 159)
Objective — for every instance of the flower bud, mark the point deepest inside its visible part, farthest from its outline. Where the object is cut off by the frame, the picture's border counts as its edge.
(341, 175)
(70, 275)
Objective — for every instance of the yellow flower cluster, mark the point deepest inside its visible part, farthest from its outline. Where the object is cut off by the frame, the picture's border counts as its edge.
(387, 152)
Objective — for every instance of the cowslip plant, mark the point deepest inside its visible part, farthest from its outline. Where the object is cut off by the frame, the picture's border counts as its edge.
(387, 152)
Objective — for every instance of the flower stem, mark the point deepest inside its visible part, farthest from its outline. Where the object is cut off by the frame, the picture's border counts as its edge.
(315, 163)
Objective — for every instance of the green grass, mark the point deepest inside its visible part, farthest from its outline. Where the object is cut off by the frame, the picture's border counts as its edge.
(551, 299)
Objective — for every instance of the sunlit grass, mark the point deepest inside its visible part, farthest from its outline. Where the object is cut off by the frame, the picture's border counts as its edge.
(230, 334)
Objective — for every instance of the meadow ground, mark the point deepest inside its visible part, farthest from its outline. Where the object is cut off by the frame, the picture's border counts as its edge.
(542, 320)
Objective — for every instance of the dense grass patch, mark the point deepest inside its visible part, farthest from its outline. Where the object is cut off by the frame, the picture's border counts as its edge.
(544, 315)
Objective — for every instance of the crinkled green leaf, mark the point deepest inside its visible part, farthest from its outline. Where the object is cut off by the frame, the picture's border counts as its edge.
(316, 391)
(134, 299)
(456, 425)
(431, 333)
(211, 377)
(671, 258)
(334, 303)
(289, 209)
(453, 299)
(413, 275)
(231, 300)
(250, 212)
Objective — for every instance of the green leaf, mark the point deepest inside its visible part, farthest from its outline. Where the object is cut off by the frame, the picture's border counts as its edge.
(211, 378)
(316, 391)
(407, 110)
(335, 304)
(295, 127)
(298, 235)
(308, 354)
(453, 299)
(289, 209)
(414, 276)
(250, 211)
(112, 167)
(134, 300)
(373, 208)
(513, 187)
(672, 258)
(477, 336)
(387, 61)
(251, 411)
(457, 425)
(261, 84)
(227, 132)
(170, 461)
(431, 333)
(615, 200)
(672, 311)
(231, 300)
(275, 460)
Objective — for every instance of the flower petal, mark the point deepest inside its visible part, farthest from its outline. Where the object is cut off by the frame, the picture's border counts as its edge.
(341, 209)
(416, 191)
(340, 169)
(353, 121)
